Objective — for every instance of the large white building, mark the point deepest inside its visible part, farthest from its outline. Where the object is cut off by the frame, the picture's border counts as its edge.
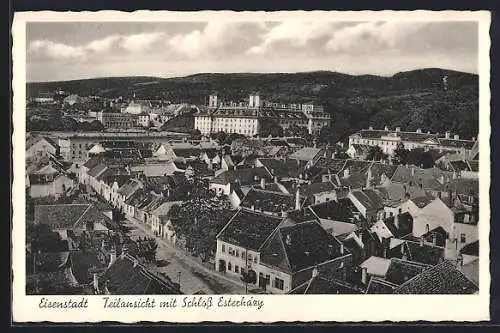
(388, 140)
(245, 118)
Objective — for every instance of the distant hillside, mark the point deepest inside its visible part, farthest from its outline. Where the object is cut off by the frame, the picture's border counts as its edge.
(413, 99)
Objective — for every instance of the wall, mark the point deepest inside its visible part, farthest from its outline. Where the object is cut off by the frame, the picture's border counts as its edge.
(435, 214)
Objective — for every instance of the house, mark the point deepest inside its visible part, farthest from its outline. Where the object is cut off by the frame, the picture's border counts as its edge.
(38, 147)
(240, 241)
(443, 278)
(307, 154)
(125, 192)
(250, 176)
(160, 214)
(93, 175)
(126, 276)
(397, 226)
(276, 253)
(319, 192)
(273, 203)
(368, 201)
(282, 168)
(374, 267)
(337, 217)
(74, 217)
(357, 151)
(49, 181)
(293, 254)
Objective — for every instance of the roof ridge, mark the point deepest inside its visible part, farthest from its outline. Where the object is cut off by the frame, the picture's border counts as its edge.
(81, 216)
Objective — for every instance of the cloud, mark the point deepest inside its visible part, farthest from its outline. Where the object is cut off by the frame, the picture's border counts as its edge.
(218, 37)
(372, 36)
(140, 42)
(102, 45)
(49, 49)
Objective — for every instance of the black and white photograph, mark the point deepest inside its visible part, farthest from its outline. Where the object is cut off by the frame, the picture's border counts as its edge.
(251, 157)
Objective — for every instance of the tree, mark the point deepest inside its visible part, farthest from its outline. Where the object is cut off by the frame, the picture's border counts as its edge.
(195, 134)
(400, 154)
(420, 158)
(376, 154)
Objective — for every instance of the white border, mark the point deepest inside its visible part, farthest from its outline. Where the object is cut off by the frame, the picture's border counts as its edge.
(342, 308)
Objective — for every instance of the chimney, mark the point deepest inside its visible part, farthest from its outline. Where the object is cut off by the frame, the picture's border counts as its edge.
(341, 248)
(275, 179)
(297, 198)
(386, 128)
(263, 183)
(252, 207)
(434, 239)
(333, 155)
(421, 241)
(396, 220)
(364, 273)
(473, 138)
(419, 130)
(370, 128)
(456, 137)
(398, 129)
(447, 135)
(412, 171)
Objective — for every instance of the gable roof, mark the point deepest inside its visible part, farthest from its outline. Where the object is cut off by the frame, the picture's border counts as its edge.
(339, 210)
(269, 201)
(71, 216)
(249, 229)
(242, 176)
(128, 277)
(129, 187)
(303, 245)
(423, 253)
(164, 208)
(97, 170)
(444, 278)
(380, 286)
(400, 271)
(370, 199)
(306, 154)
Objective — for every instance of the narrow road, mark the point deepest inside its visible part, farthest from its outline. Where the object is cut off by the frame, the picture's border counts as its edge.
(194, 277)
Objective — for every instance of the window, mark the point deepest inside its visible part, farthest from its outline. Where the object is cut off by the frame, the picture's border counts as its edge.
(249, 257)
(255, 260)
(278, 283)
(223, 248)
(268, 279)
(236, 269)
(229, 266)
(237, 253)
(242, 254)
(462, 238)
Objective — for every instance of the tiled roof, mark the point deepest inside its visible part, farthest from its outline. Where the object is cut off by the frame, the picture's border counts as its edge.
(443, 278)
(97, 170)
(405, 224)
(268, 201)
(92, 162)
(82, 263)
(471, 249)
(324, 285)
(300, 246)
(452, 143)
(249, 229)
(306, 154)
(128, 277)
(71, 216)
(422, 201)
(400, 271)
(464, 186)
(342, 210)
(425, 254)
(315, 188)
(369, 198)
(129, 187)
(334, 165)
(280, 168)
(380, 286)
(241, 176)
(427, 177)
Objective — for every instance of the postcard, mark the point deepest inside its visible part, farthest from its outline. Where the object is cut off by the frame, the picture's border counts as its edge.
(216, 166)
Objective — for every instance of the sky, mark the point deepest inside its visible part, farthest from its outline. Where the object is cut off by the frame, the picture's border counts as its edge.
(59, 51)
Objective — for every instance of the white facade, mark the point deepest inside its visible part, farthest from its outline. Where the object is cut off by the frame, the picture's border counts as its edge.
(203, 123)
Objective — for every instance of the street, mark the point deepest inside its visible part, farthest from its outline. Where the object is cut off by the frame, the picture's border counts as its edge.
(193, 276)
